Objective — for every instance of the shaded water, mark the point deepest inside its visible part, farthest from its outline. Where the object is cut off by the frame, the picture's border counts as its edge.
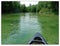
(26, 28)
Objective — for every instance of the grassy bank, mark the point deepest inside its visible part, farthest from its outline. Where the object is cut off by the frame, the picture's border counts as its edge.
(50, 29)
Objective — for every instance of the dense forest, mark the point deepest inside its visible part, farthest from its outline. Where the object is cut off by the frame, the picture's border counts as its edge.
(16, 7)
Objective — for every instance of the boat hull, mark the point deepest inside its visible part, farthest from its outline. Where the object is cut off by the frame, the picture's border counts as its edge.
(37, 39)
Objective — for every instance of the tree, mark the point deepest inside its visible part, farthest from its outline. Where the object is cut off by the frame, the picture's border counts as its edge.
(10, 6)
(55, 6)
(15, 7)
(23, 8)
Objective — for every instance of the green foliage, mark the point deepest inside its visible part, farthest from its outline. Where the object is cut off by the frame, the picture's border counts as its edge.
(22, 8)
(10, 7)
(55, 6)
(15, 6)
(51, 6)
(32, 8)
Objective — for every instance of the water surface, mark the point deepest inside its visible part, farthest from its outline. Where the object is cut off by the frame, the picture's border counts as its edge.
(22, 28)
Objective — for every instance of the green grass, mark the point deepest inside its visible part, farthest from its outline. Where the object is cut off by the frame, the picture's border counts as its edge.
(50, 27)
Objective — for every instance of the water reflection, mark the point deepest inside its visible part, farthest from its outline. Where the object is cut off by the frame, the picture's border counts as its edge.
(28, 26)
(29, 23)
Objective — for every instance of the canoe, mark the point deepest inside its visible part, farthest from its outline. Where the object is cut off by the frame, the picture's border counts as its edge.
(37, 39)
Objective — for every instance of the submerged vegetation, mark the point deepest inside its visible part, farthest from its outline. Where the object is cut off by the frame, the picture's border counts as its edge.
(50, 29)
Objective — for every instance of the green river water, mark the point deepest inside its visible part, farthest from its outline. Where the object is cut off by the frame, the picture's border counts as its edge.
(19, 28)
(22, 28)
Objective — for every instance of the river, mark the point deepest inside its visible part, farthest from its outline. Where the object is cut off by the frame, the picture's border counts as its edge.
(26, 28)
